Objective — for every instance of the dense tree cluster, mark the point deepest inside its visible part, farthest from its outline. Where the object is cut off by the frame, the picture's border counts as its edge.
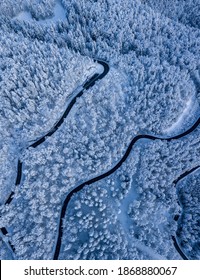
(8, 165)
(153, 211)
(154, 73)
(36, 80)
(161, 58)
(186, 12)
(35, 226)
(38, 9)
(158, 94)
(91, 228)
(145, 210)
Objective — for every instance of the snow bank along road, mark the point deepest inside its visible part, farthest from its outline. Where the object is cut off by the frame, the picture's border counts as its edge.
(86, 86)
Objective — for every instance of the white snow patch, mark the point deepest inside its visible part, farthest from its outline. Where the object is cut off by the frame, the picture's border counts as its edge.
(24, 16)
(123, 216)
(59, 12)
(99, 68)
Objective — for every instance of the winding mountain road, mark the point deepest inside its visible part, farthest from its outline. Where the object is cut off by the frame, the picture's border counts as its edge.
(88, 84)
(112, 170)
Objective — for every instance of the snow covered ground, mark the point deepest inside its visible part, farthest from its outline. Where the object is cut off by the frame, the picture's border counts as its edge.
(47, 52)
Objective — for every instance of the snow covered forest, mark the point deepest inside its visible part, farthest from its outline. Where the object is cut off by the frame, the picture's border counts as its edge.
(107, 169)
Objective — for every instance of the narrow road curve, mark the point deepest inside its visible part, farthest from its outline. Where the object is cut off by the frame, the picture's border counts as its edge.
(176, 218)
(112, 170)
(186, 173)
(178, 249)
(85, 86)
